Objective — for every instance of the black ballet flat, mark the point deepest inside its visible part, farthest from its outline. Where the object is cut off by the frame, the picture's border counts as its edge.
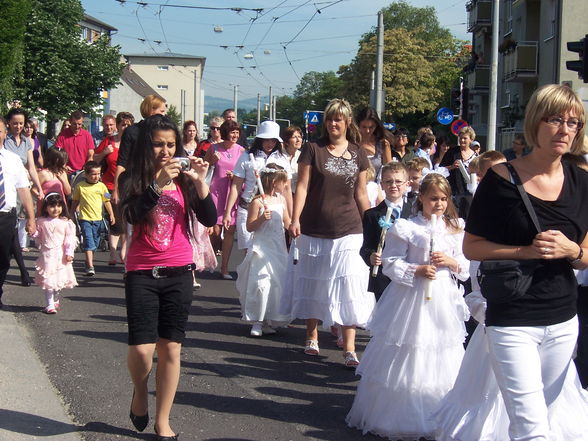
(139, 421)
(159, 437)
(26, 281)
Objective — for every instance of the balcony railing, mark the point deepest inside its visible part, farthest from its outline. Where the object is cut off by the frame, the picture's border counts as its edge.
(478, 79)
(521, 63)
(479, 14)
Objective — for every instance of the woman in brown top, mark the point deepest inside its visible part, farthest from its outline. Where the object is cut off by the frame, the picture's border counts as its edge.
(329, 282)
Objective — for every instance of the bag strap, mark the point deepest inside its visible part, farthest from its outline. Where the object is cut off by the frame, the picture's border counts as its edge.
(524, 196)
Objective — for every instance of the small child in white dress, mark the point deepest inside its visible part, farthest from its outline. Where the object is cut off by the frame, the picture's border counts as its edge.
(417, 333)
(56, 237)
(261, 275)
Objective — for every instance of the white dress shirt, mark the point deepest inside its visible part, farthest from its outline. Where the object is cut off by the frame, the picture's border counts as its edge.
(15, 176)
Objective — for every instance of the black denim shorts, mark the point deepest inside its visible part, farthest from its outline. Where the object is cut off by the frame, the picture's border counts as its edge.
(157, 308)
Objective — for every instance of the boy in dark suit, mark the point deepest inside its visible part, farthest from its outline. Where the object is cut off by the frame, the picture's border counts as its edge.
(394, 183)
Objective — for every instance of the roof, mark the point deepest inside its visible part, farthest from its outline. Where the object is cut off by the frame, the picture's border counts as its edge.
(166, 55)
(93, 20)
(137, 83)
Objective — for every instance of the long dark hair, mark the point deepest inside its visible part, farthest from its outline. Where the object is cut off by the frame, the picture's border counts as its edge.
(141, 170)
(370, 114)
(55, 160)
(51, 200)
(258, 146)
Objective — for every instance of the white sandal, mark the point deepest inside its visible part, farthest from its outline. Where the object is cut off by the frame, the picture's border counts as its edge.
(351, 359)
(312, 347)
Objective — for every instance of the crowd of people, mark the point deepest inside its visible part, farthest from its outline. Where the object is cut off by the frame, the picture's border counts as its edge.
(352, 229)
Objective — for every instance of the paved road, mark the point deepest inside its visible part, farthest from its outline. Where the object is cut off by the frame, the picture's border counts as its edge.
(233, 387)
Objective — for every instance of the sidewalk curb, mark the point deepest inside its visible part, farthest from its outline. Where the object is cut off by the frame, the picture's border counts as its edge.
(30, 407)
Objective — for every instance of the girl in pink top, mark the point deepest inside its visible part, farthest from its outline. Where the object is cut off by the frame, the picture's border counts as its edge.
(53, 177)
(160, 200)
(224, 156)
(56, 236)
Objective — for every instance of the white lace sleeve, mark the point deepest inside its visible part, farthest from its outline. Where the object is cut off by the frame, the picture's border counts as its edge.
(394, 264)
(463, 272)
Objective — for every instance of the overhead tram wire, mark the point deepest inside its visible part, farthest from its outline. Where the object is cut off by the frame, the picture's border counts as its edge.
(210, 8)
(226, 25)
(285, 46)
(162, 27)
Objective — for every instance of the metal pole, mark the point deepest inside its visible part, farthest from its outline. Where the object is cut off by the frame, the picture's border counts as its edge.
(271, 101)
(235, 91)
(492, 97)
(274, 108)
(373, 89)
(460, 97)
(182, 104)
(380, 67)
(258, 109)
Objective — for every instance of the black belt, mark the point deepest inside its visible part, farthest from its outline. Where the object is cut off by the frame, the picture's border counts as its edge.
(243, 203)
(163, 272)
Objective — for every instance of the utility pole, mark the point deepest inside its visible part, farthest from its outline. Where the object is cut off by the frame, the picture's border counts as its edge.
(258, 109)
(274, 108)
(380, 67)
(492, 98)
(271, 102)
(235, 91)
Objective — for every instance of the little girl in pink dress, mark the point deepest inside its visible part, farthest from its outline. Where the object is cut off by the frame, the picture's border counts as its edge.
(56, 238)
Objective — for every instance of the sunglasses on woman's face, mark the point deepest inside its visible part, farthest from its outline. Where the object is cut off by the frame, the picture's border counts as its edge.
(215, 128)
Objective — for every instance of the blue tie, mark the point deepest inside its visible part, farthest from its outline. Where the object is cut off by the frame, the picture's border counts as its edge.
(2, 194)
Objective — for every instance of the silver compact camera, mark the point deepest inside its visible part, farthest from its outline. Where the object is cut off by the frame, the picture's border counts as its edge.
(185, 163)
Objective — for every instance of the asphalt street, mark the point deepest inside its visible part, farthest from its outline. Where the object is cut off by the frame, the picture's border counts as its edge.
(232, 387)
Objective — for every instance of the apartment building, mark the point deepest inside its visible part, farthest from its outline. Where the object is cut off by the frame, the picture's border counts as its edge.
(176, 77)
(532, 52)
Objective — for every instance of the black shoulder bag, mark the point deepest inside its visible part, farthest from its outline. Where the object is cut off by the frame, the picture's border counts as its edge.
(503, 281)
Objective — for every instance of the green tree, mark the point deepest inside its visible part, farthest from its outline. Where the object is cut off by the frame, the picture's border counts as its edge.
(175, 115)
(12, 30)
(422, 60)
(62, 73)
(312, 93)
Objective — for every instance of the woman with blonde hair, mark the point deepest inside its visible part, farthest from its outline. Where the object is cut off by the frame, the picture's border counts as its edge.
(329, 282)
(531, 337)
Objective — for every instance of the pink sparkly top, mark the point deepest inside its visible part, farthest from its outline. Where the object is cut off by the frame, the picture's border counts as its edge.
(166, 243)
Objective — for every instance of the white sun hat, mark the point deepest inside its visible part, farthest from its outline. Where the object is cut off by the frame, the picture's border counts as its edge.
(269, 130)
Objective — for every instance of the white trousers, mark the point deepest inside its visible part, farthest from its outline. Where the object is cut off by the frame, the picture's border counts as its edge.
(244, 237)
(530, 364)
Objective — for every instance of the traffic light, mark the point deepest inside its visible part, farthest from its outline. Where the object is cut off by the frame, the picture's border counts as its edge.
(581, 65)
(455, 99)
(465, 101)
(459, 101)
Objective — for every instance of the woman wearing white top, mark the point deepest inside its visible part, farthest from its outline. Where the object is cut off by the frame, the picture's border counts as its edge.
(267, 149)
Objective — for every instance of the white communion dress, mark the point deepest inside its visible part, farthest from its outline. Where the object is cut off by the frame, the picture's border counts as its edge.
(416, 350)
(261, 275)
(474, 408)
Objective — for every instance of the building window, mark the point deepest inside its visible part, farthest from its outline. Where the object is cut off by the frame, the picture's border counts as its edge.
(162, 67)
(508, 17)
(551, 27)
(162, 87)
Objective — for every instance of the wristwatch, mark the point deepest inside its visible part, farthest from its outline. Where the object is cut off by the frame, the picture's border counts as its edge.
(577, 259)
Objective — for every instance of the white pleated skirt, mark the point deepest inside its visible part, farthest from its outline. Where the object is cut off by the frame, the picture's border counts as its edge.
(329, 282)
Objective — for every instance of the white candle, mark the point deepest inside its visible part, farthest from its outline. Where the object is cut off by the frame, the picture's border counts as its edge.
(429, 282)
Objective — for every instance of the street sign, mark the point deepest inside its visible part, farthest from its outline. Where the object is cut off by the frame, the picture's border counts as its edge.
(311, 128)
(315, 117)
(389, 126)
(445, 115)
(457, 125)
